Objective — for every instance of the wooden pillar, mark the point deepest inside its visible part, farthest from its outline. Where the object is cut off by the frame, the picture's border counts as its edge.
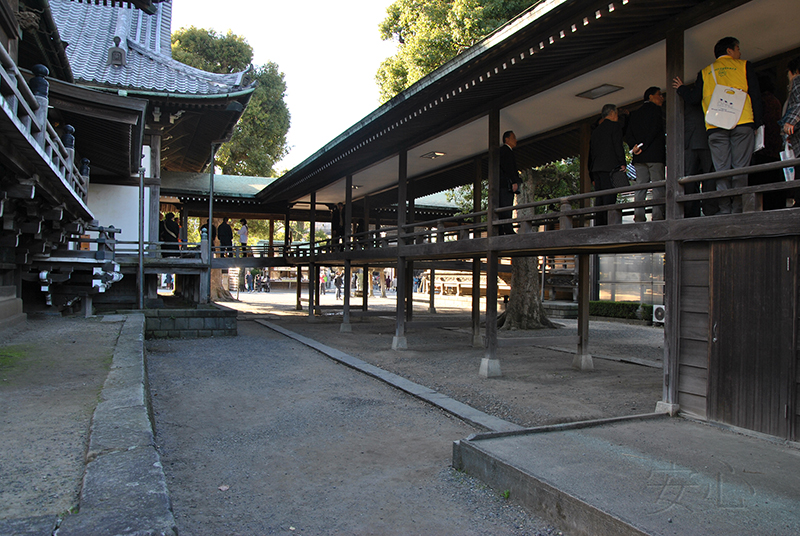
(477, 193)
(409, 294)
(432, 292)
(367, 279)
(271, 250)
(155, 187)
(583, 359)
(399, 341)
(285, 234)
(494, 170)
(672, 277)
(299, 306)
(348, 213)
(674, 104)
(184, 224)
(490, 365)
(346, 327)
(672, 272)
(313, 278)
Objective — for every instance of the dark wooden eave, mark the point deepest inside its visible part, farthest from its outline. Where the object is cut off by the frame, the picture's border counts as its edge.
(109, 129)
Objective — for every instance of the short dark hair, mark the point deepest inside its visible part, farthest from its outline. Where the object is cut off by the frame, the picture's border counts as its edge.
(607, 109)
(170, 216)
(506, 134)
(722, 46)
(651, 91)
(794, 65)
(244, 221)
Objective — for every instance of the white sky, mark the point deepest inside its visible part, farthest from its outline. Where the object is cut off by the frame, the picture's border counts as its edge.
(328, 51)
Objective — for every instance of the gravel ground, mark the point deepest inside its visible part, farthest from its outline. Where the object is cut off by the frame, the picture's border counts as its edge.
(52, 370)
(261, 435)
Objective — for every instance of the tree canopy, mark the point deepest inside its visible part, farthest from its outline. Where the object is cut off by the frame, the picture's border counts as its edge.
(259, 138)
(429, 33)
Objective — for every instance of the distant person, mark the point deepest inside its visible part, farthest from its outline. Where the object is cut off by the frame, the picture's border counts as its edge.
(646, 138)
(509, 180)
(606, 158)
(791, 117)
(338, 283)
(696, 154)
(243, 236)
(225, 234)
(171, 233)
(730, 148)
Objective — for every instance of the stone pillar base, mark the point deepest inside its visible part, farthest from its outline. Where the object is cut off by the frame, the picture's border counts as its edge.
(478, 341)
(490, 368)
(665, 407)
(346, 328)
(432, 310)
(399, 343)
(583, 362)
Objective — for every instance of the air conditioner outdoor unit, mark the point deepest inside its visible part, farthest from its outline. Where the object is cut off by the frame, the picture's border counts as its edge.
(659, 314)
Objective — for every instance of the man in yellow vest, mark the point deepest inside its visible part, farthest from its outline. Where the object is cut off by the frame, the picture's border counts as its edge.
(730, 149)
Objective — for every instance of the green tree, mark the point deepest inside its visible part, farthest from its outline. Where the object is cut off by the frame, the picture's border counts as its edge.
(429, 33)
(259, 138)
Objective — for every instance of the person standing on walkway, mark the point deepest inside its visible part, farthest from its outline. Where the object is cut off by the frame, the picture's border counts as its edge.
(225, 234)
(730, 148)
(243, 236)
(509, 180)
(337, 282)
(606, 158)
(646, 137)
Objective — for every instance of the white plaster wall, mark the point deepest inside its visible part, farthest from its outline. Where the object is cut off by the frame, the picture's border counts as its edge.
(119, 206)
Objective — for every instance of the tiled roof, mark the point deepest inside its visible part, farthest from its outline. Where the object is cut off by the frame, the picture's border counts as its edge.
(90, 29)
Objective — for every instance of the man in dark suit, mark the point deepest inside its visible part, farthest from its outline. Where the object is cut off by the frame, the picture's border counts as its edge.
(606, 157)
(509, 180)
(645, 137)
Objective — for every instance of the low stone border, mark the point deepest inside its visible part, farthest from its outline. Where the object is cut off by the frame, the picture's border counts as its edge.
(190, 323)
(124, 488)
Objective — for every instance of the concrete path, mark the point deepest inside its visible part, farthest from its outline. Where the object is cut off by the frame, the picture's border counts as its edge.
(656, 476)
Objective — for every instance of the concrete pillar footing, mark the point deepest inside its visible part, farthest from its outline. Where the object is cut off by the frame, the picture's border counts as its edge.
(345, 328)
(583, 362)
(490, 368)
(666, 407)
(399, 343)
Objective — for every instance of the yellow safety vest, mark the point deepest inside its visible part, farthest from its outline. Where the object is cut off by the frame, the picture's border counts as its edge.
(730, 72)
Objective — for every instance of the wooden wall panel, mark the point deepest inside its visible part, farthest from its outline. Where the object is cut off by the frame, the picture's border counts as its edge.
(694, 299)
(694, 326)
(696, 405)
(693, 335)
(693, 380)
(694, 353)
(694, 273)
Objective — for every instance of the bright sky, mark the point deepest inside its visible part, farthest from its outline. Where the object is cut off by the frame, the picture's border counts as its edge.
(328, 51)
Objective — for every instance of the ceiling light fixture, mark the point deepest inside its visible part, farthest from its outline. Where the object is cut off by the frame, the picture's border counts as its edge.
(433, 155)
(599, 91)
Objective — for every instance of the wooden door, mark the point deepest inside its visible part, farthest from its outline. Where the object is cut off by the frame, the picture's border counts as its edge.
(752, 357)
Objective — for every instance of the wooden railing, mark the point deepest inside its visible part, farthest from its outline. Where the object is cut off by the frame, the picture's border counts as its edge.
(29, 114)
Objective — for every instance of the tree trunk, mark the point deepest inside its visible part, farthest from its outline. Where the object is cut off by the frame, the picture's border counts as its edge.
(218, 292)
(524, 309)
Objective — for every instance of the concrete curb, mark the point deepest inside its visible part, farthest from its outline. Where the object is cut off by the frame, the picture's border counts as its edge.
(460, 410)
(124, 488)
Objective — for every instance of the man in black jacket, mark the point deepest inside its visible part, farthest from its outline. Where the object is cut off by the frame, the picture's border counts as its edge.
(225, 234)
(509, 180)
(606, 157)
(646, 138)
